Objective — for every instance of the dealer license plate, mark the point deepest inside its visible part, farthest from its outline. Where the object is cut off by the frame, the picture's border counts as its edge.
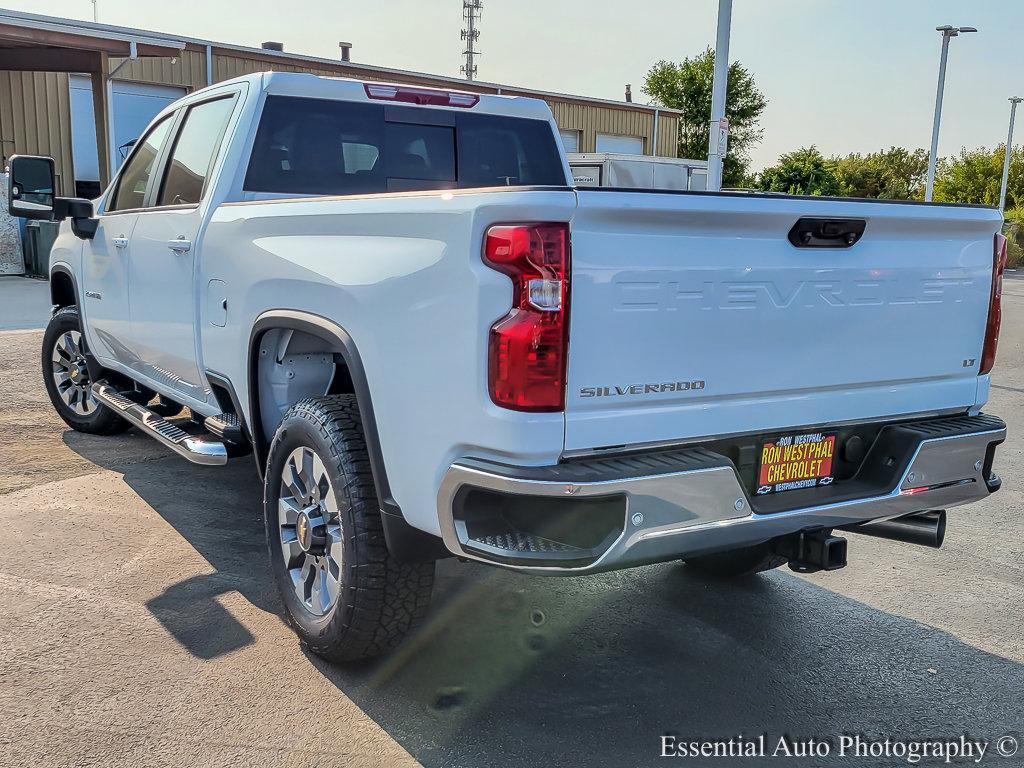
(796, 461)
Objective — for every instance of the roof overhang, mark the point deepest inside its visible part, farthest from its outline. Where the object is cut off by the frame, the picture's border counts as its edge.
(45, 44)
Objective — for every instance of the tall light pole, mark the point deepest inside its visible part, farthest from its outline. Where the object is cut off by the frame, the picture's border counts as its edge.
(1014, 101)
(719, 127)
(947, 33)
(95, 11)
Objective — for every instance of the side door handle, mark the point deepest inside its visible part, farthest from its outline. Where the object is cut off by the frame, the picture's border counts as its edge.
(120, 242)
(181, 245)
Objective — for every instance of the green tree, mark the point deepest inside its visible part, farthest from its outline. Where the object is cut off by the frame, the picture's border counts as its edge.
(804, 172)
(893, 174)
(974, 176)
(1013, 228)
(686, 86)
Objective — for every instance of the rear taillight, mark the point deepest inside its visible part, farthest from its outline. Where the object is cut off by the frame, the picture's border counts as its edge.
(995, 307)
(528, 347)
(422, 96)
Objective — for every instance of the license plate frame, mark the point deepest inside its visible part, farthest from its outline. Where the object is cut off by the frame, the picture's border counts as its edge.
(795, 462)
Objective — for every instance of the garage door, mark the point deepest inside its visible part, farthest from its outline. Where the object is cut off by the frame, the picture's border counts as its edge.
(135, 104)
(570, 140)
(623, 145)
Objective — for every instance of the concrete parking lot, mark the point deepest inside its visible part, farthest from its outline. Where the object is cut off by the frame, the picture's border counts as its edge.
(139, 627)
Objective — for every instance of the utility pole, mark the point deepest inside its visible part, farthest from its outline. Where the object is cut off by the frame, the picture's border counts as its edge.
(719, 125)
(948, 32)
(95, 11)
(471, 13)
(1014, 101)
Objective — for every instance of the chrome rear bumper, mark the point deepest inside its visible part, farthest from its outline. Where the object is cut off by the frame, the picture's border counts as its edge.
(691, 501)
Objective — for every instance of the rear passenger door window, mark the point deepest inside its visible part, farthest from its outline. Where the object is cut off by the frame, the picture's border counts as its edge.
(194, 151)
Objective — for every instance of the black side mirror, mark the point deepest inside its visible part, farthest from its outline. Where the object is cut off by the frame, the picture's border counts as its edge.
(80, 211)
(31, 195)
(31, 192)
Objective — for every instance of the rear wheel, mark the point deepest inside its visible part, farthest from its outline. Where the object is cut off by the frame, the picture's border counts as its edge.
(67, 379)
(345, 595)
(736, 563)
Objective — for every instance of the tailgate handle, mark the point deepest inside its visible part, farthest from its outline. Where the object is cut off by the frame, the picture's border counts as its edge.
(811, 232)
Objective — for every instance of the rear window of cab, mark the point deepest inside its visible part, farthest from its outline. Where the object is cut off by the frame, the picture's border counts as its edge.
(311, 146)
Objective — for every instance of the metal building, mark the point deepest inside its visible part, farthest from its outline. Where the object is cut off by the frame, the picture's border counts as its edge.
(78, 91)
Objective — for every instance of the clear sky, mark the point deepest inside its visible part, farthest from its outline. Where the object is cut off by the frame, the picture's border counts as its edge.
(847, 75)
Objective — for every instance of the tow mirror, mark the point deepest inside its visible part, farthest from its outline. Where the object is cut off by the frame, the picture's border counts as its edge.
(31, 194)
(31, 191)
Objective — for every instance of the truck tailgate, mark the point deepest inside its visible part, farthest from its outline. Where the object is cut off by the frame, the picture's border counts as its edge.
(693, 315)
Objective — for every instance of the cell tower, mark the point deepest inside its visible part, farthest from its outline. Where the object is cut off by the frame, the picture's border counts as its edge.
(471, 13)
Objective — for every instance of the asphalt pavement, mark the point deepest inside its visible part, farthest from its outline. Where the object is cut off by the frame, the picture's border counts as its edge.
(24, 303)
(139, 627)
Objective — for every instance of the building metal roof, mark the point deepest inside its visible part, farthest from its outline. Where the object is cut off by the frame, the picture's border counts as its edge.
(32, 28)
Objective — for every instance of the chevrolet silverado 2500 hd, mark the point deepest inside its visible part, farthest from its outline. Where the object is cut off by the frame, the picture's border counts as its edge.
(435, 345)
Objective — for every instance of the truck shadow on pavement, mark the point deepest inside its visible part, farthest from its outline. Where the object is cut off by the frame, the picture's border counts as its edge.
(229, 533)
(219, 513)
(512, 670)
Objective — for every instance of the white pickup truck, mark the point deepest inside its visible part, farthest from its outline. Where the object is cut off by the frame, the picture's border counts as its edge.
(434, 345)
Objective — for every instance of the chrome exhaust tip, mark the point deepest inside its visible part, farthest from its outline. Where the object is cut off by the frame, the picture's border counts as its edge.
(927, 529)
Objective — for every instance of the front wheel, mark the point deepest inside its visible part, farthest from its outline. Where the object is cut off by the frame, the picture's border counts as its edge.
(67, 380)
(344, 594)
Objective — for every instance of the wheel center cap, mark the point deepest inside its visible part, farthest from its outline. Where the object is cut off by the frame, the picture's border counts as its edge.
(311, 533)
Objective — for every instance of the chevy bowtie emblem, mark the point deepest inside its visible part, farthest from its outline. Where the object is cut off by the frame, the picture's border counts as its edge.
(302, 528)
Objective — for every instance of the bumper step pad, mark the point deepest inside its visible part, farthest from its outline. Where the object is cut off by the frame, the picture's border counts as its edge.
(524, 548)
(517, 541)
(601, 469)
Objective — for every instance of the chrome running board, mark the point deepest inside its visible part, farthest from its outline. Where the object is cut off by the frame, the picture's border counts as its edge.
(198, 449)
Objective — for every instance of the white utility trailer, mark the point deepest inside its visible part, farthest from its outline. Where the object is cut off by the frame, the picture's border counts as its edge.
(608, 169)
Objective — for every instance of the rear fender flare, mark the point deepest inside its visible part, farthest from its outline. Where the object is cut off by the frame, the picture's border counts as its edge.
(406, 543)
(341, 343)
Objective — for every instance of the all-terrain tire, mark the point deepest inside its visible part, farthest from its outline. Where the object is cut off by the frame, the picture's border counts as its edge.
(81, 415)
(381, 600)
(736, 563)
